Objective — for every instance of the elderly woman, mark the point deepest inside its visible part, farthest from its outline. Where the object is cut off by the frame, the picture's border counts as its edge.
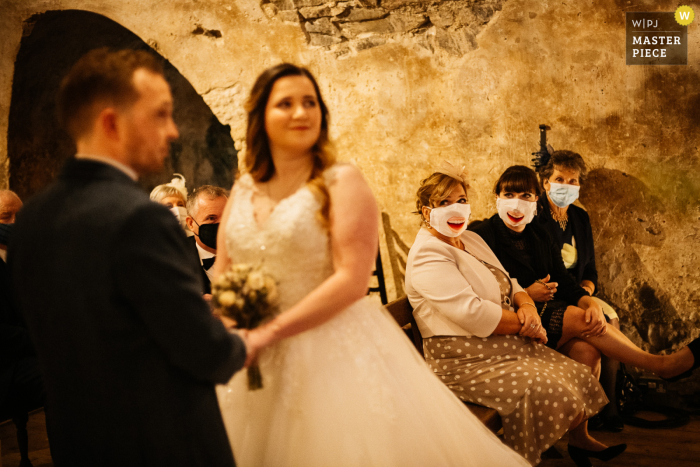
(570, 228)
(574, 321)
(483, 337)
(173, 196)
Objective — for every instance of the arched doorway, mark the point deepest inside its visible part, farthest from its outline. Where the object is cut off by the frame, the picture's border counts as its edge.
(37, 146)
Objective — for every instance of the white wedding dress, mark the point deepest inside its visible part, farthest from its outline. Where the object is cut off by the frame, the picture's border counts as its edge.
(351, 392)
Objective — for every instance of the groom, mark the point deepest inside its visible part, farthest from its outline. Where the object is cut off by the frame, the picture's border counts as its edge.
(112, 298)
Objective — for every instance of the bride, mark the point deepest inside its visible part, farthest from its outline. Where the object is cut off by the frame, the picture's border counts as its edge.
(342, 384)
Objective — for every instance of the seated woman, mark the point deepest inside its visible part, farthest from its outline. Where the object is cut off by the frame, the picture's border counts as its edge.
(570, 228)
(483, 337)
(173, 195)
(574, 320)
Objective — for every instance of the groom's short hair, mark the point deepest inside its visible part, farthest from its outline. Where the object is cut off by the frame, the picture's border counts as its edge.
(100, 79)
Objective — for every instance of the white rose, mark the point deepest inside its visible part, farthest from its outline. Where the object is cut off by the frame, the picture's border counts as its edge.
(227, 299)
(256, 280)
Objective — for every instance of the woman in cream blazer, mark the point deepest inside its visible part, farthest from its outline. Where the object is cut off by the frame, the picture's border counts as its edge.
(482, 335)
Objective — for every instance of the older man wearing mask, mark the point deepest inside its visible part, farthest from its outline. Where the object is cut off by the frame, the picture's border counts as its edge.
(10, 204)
(205, 206)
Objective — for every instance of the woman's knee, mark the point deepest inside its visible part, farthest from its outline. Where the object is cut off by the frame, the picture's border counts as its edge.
(574, 319)
(583, 352)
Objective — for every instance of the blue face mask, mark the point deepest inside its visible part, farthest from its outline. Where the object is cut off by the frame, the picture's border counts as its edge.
(563, 195)
(5, 232)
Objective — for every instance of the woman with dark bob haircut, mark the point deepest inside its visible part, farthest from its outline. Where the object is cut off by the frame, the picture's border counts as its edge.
(342, 386)
(575, 322)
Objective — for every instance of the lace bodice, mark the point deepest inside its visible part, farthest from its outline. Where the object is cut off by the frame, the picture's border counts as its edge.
(292, 244)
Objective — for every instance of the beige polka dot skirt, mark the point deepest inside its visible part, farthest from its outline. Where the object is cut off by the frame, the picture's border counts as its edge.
(536, 390)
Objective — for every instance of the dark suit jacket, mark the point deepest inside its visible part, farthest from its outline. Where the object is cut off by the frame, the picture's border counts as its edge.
(129, 350)
(8, 310)
(192, 243)
(581, 228)
(545, 257)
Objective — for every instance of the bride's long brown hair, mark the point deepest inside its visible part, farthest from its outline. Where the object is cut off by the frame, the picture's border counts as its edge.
(258, 158)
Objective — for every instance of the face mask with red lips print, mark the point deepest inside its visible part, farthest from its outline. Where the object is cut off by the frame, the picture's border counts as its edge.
(450, 220)
(524, 211)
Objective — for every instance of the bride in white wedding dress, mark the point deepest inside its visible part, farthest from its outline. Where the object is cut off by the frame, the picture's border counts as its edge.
(342, 384)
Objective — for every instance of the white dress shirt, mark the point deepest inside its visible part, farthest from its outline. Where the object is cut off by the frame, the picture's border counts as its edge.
(453, 293)
(204, 254)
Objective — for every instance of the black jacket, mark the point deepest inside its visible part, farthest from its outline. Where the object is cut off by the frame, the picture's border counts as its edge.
(192, 246)
(585, 268)
(545, 258)
(128, 348)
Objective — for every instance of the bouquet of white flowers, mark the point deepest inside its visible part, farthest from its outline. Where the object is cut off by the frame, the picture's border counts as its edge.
(247, 295)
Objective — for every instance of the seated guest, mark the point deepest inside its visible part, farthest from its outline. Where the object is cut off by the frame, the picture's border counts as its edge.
(10, 204)
(570, 228)
(482, 335)
(21, 385)
(173, 195)
(204, 208)
(574, 321)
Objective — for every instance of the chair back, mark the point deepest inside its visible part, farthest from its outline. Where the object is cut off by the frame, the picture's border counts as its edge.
(402, 311)
(380, 288)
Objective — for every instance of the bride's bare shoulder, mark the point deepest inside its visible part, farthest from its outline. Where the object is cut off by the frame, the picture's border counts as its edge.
(343, 173)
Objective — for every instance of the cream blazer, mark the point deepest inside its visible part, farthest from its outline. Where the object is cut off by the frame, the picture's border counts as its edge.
(452, 293)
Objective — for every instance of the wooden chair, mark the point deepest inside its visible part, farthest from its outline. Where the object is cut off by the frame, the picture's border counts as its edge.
(380, 288)
(402, 312)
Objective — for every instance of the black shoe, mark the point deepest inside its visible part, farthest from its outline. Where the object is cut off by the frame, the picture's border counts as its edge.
(695, 349)
(580, 456)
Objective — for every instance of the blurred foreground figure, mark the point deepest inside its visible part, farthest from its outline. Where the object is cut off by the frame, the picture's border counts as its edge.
(128, 348)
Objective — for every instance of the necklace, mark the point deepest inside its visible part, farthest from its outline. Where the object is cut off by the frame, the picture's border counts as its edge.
(562, 220)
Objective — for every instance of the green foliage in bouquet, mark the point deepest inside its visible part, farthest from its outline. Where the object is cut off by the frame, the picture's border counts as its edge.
(246, 294)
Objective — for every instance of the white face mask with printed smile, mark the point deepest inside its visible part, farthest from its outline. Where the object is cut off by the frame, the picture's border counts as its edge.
(180, 214)
(528, 209)
(450, 220)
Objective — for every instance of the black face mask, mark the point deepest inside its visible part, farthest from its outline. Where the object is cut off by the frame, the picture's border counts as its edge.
(208, 233)
(5, 232)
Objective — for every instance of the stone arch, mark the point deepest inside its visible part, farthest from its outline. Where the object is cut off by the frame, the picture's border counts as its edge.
(37, 147)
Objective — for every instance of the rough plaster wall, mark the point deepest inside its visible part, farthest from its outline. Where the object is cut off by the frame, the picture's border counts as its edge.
(37, 145)
(399, 108)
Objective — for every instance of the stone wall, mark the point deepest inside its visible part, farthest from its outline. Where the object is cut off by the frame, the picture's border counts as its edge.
(342, 27)
(37, 146)
(412, 83)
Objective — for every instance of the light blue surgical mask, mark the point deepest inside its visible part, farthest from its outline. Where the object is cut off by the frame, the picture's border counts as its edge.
(563, 195)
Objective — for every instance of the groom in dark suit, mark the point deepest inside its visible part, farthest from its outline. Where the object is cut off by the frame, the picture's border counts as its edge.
(112, 298)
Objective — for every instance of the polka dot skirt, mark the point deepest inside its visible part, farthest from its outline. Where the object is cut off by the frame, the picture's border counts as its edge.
(536, 390)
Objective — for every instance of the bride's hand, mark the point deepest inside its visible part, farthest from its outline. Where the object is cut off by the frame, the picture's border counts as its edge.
(257, 339)
(226, 321)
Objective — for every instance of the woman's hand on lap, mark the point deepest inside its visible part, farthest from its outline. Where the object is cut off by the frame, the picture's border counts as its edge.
(595, 321)
(542, 291)
(530, 321)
